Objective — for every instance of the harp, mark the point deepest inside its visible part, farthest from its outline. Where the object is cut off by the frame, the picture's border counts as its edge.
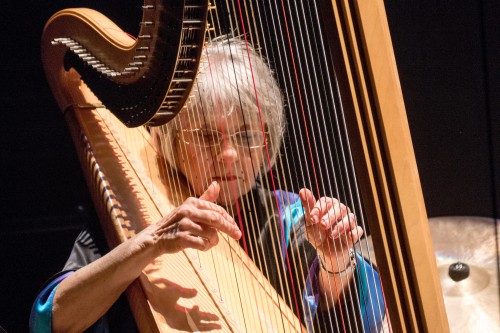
(92, 66)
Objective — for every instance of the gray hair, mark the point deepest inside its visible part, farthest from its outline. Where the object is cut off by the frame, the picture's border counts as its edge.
(231, 73)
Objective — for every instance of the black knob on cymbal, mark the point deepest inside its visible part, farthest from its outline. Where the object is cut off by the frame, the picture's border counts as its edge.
(459, 271)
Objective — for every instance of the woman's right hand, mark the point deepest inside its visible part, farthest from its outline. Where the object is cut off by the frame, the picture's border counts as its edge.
(194, 224)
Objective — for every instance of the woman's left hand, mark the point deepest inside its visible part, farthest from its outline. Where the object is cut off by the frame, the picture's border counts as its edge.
(331, 228)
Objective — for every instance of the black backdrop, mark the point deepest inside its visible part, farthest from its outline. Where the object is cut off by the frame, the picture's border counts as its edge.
(447, 53)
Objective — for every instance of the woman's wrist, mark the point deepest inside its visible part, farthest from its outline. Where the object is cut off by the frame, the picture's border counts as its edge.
(342, 268)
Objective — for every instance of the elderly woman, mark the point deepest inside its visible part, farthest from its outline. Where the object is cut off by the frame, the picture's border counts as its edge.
(217, 152)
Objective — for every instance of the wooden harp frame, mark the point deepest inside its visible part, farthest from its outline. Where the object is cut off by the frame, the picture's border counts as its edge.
(385, 163)
(388, 174)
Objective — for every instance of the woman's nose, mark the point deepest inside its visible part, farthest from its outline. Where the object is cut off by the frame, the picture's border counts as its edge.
(227, 151)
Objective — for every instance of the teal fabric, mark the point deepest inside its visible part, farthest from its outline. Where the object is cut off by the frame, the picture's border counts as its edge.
(41, 312)
(292, 215)
(370, 295)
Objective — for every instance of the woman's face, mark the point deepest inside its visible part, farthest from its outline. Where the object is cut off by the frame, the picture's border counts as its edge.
(228, 150)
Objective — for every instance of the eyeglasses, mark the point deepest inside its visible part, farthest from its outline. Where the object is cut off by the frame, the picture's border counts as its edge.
(211, 138)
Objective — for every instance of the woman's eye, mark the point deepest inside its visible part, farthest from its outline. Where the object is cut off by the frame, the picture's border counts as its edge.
(210, 137)
(250, 137)
(246, 137)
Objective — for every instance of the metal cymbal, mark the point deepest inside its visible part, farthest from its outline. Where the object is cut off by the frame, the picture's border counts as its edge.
(467, 259)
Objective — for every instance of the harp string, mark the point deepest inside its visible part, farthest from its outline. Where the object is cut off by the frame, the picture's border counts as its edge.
(292, 59)
(247, 218)
(296, 38)
(284, 162)
(200, 118)
(280, 179)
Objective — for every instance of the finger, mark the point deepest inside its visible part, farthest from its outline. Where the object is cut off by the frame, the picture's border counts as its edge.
(347, 223)
(308, 202)
(337, 213)
(208, 206)
(315, 235)
(339, 210)
(197, 243)
(199, 230)
(213, 218)
(211, 193)
(181, 240)
(328, 210)
(356, 234)
(209, 213)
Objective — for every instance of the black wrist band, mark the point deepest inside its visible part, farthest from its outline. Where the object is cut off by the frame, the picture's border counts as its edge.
(323, 266)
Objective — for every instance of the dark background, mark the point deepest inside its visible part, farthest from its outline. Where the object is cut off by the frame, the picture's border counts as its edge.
(448, 59)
